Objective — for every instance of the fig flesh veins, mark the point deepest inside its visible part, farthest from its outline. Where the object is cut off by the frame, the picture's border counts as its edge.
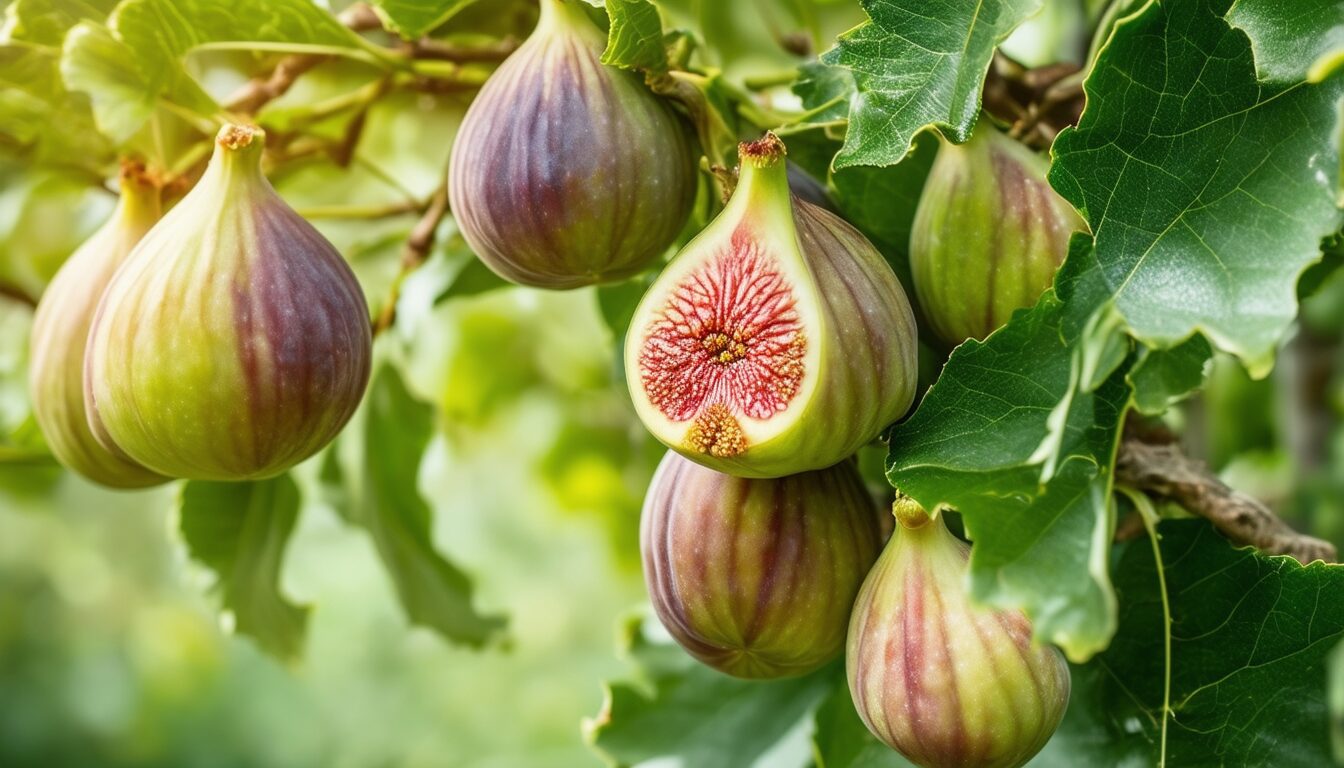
(943, 681)
(755, 577)
(778, 341)
(235, 341)
(60, 336)
(567, 172)
(988, 234)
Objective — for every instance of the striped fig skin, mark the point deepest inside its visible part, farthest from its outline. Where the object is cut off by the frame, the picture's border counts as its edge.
(60, 336)
(755, 578)
(947, 683)
(778, 341)
(235, 341)
(566, 172)
(988, 235)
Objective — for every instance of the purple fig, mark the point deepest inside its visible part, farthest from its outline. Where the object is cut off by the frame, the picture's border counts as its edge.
(566, 172)
(946, 682)
(756, 577)
(234, 342)
(988, 234)
(61, 332)
(778, 340)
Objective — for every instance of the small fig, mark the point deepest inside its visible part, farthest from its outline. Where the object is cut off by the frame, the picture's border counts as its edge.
(234, 342)
(566, 172)
(988, 234)
(777, 341)
(943, 681)
(756, 577)
(61, 332)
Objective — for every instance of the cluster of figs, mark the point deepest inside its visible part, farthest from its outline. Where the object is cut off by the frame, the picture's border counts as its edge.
(228, 340)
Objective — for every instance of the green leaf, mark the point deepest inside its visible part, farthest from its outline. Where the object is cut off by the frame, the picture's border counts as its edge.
(881, 201)
(681, 710)
(841, 740)
(413, 19)
(1290, 38)
(919, 63)
(387, 502)
(45, 22)
(1011, 438)
(618, 302)
(472, 279)
(1208, 192)
(96, 63)
(635, 40)
(1163, 377)
(819, 85)
(1250, 637)
(239, 531)
(37, 102)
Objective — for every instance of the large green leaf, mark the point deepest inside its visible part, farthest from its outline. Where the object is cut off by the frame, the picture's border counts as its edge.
(45, 22)
(386, 501)
(239, 531)
(1019, 434)
(636, 37)
(679, 710)
(919, 63)
(98, 64)
(1208, 191)
(1291, 38)
(413, 19)
(36, 102)
(841, 740)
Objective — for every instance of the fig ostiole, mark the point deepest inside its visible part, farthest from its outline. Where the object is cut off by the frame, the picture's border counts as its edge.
(777, 341)
(60, 336)
(755, 577)
(234, 341)
(942, 680)
(988, 234)
(567, 172)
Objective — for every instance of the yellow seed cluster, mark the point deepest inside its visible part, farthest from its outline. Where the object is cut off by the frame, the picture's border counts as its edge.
(724, 348)
(716, 432)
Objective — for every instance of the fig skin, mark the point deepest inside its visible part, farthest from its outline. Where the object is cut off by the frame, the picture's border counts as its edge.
(234, 342)
(755, 578)
(566, 172)
(60, 336)
(777, 341)
(988, 234)
(945, 682)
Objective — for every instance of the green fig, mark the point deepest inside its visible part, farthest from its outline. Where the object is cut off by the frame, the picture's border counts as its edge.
(946, 682)
(567, 172)
(777, 341)
(756, 577)
(988, 234)
(234, 342)
(61, 331)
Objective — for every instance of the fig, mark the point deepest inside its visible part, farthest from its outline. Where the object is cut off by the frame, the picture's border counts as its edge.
(566, 172)
(777, 341)
(941, 680)
(234, 341)
(988, 234)
(61, 331)
(755, 577)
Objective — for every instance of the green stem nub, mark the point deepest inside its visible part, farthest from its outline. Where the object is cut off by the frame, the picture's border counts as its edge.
(762, 153)
(909, 513)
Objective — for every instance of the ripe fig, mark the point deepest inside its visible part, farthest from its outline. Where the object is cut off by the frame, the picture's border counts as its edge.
(777, 341)
(61, 332)
(988, 234)
(234, 342)
(566, 172)
(756, 577)
(941, 680)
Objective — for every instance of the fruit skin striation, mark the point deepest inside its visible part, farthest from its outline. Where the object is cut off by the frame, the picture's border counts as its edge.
(756, 577)
(988, 235)
(566, 172)
(944, 682)
(60, 335)
(234, 342)
(777, 341)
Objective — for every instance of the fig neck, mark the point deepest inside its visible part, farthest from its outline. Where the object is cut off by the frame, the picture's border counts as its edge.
(567, 17)
(763, 182)
(238, 151)
(935, 544)
(138, 207)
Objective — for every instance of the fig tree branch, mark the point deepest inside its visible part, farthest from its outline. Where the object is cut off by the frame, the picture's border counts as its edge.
(1164, 471)
(15, 293)
(418, 246)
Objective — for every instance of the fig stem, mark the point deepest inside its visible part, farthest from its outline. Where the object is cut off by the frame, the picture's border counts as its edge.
(762, 153)
(909, 513)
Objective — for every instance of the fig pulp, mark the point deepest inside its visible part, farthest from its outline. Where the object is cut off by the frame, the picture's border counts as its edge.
(943, 681)
(61, 332)
(234, 342)
(756, 577)
(566, 172)
(778, 340)
(988, 234)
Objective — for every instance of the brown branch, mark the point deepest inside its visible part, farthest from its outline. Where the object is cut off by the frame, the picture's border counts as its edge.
(435, 50)
(1164, 471)
(418, 246)
(15, 293)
